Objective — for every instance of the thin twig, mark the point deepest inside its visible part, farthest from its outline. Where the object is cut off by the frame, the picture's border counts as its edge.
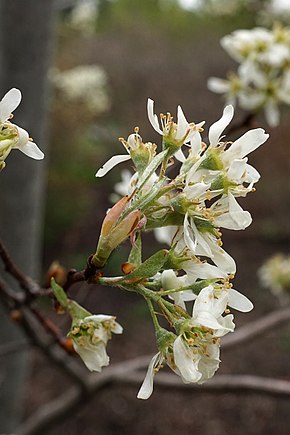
(14, 347)
(219, 384)
(56, 410)
(25, 282)
(256, 328)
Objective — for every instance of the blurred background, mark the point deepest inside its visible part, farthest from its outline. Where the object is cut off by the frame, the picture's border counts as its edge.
(104, 58)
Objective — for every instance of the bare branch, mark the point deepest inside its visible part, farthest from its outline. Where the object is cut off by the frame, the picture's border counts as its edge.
(14, 347)
(126, 373)
(219, 384)
(26, 283)
(256, 328)
(54, 411)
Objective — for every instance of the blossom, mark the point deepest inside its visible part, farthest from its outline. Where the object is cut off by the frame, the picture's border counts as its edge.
(11, 135)
(194, 353)
(176, 134)
(90, 336)
(274, 274)
(261, 81)
(86, 84)
(141, 154)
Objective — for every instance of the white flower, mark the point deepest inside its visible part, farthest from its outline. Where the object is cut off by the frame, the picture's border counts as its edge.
(86, 84)
(182, 131)
(12, 136)
(206, 244)
(90, 336)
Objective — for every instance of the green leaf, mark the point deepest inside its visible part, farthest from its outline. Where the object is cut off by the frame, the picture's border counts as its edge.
(150, 266)
(151, 168)
(59, 293)
(135, 256)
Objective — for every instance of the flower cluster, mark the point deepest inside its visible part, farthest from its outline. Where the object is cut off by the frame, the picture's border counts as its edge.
(187, 210)
(83, 16)
(85, 84)
(262, 80)
(11, 135)
(275, 274)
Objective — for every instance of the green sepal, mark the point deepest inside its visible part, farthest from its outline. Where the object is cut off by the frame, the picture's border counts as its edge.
(76, 311)
(199, 285)
(174, 260)
(135, 256)
(150, 266)
(164, 339)
(212, 161)
(221, 182)
(59, 293)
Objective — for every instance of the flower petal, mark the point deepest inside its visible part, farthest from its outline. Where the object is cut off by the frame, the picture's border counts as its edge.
(218, 127)
(182, 124)
(247, 143)
(111, 163)
(147, 386)
(220, 86)
(94, 357)
(183, 358)
(152, 117)
(32, 150)
(9, 103)
(239, 302)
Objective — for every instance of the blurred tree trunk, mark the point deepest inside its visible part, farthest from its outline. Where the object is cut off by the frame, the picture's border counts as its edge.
(25, 51)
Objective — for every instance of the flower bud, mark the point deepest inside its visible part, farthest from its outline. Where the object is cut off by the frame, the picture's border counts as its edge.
(112, 233)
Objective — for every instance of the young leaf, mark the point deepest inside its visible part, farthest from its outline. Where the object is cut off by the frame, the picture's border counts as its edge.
(135, 256)
(150, 266)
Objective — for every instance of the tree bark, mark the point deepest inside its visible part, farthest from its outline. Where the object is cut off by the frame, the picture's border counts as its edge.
(26, 44)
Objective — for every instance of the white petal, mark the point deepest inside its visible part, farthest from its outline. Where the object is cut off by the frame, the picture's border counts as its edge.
(221, 258)
(272, 114)
(194, 240)
(236, 218)
(182, 124)
(152, 117)
(218, 127)
(180, 156)
(195, 143)
(203, 271)
(239, 302)
(237, 169)
(247, 143)
(217, 85)
(28, 148)
(252, 175)
(147, 386)
(94, 357)
(184, 361)
(9, 102)
(111, 163)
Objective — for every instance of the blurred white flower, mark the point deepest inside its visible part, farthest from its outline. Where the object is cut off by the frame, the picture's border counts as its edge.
(274, 274)
(262, 79)
(85, 84)
(84, 15)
